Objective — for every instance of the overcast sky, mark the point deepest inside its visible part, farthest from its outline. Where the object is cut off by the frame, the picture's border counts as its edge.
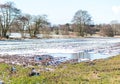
(62, 11)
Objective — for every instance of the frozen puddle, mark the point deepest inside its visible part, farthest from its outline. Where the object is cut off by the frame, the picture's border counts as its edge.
(82, 49)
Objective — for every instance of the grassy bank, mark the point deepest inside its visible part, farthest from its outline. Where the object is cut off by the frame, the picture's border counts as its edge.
(103, 71)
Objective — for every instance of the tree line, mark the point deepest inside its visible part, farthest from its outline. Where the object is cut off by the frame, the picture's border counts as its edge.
(12, 20)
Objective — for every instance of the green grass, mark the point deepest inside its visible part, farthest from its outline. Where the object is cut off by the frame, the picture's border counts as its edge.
(103, 71)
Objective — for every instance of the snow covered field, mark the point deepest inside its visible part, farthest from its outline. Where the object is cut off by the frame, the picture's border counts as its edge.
(96, 47)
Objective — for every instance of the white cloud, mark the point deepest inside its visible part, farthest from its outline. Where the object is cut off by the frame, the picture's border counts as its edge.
(116, 9)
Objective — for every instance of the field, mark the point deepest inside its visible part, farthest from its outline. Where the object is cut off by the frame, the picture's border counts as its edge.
(97, 71)
(102, 71)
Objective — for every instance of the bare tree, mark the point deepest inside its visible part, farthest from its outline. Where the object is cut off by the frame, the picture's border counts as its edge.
(40, 22)
(82, 19)
(23, 24)
(106, 30)
(8, 13)
(32, 25)
(64, 29)
(55, 29)
(116, 27)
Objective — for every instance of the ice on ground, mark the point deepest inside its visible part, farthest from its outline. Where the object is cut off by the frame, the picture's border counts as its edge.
(62, 47)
